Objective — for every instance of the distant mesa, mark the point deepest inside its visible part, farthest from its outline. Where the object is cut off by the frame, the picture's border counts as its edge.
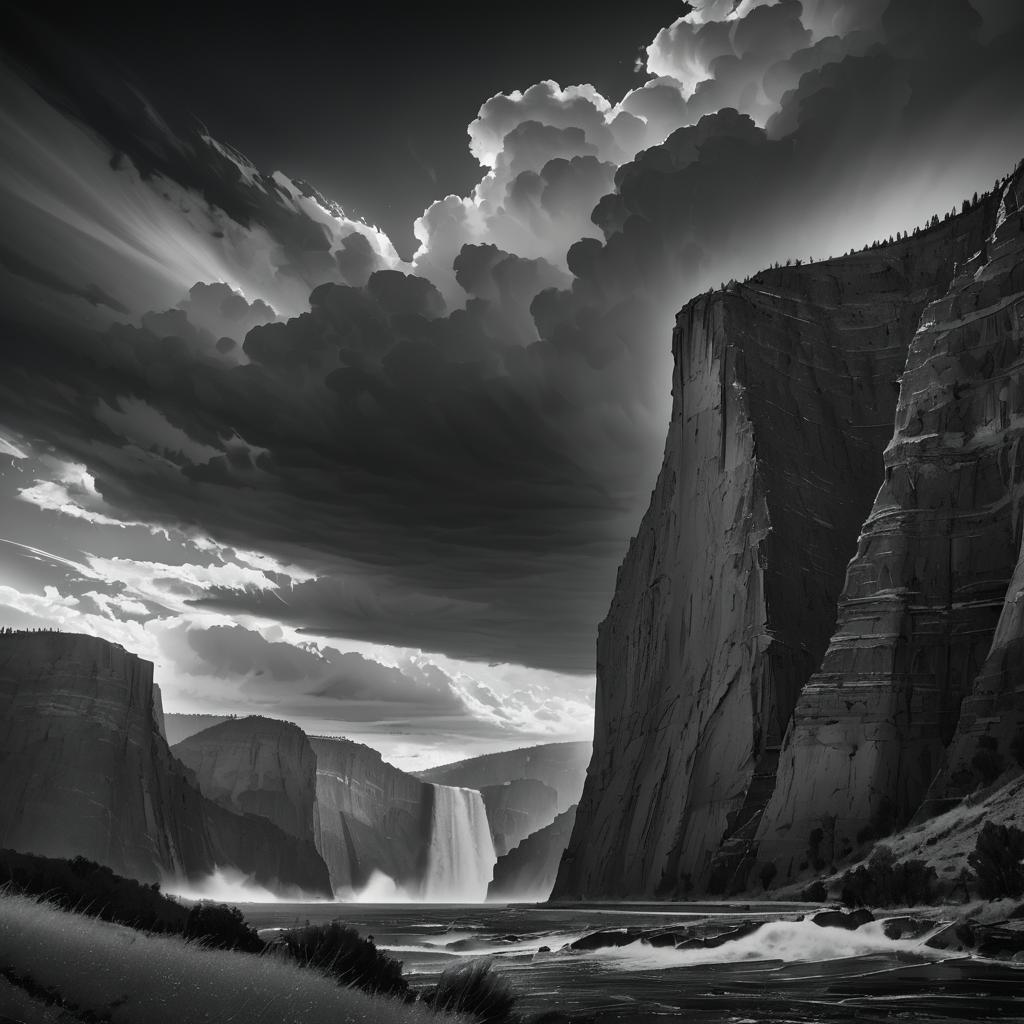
(87, 772)
(259, 766)
(180, 727)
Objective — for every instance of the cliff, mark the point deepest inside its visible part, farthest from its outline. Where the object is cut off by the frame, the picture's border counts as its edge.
(258, 766)
(87, 772)
(562, 766)
(372, 816)
(517, 808)
(527, 871)
(784, 395)
(930, 612)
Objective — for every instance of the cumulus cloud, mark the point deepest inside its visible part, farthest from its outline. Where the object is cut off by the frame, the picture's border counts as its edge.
(454, 453)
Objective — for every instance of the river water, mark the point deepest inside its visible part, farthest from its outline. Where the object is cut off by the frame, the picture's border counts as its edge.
(789, 970)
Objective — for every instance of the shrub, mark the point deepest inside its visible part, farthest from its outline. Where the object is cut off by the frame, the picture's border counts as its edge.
(987, 762)
(473, 988)
(996, 860)
(342, 953)
(222, 927)
(93, 889)
(884, 883)
(815, 893)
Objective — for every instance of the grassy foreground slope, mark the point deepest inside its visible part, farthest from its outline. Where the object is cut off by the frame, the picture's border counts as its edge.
(126, 976)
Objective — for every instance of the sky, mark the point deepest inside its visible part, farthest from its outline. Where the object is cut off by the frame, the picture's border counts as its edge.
(335, 363)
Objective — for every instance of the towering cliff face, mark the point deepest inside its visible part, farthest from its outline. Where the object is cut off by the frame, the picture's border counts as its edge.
(930, 612)
(85, 768)
(86, 771)
(372, 816)
(516, 809)
(562, 766)
(527, 871)
(256, 766)
(784, 395)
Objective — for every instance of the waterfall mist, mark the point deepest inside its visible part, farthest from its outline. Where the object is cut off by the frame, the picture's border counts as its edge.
(461, 857)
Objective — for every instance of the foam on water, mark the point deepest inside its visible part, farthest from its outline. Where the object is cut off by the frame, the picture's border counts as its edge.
(380, 888)
(226, 885)
(788, 941)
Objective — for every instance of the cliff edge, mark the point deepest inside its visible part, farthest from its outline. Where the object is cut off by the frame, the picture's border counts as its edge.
(784, 395)
(372, 817)
(87, 772)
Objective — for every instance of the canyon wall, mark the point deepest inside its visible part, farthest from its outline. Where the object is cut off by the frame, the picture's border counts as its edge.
(258, 766)
(562, 766)
(784, 396)
(87, 772)
(930, 611)
(372, 816)
(527, 871)
(517, 808)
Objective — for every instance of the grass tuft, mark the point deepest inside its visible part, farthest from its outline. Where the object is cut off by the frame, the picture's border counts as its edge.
(474, 987)
(344, 955)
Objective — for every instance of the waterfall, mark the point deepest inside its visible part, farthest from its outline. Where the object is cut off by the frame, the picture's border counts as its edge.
(461, 857)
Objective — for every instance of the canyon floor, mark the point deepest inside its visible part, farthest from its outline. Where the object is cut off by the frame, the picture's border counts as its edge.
(789, 970)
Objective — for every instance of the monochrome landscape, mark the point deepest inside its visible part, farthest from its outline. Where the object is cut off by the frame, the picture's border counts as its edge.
(572, 576)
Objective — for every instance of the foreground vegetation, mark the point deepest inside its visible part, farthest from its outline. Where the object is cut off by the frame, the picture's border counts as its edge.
(995, 871)
(68, 897)
(99, 970)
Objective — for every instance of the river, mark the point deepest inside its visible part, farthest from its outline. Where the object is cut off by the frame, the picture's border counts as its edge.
(789, 970)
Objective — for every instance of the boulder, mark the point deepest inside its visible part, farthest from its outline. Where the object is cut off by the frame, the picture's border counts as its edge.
(840, 919)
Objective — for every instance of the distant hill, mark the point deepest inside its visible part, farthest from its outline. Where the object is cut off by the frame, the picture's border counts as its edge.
(562, 766)
(180, 727)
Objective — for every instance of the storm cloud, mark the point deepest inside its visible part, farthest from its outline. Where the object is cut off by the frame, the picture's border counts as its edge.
(456, 450)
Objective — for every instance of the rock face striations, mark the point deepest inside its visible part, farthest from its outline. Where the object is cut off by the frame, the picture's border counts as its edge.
(372, 817)
(85, 768)
(87, 772)
(784, 396)
(258, 766)
(930, 613)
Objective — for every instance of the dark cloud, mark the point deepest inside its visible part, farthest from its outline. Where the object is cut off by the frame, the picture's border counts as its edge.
(297, 681)
(461, 460)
